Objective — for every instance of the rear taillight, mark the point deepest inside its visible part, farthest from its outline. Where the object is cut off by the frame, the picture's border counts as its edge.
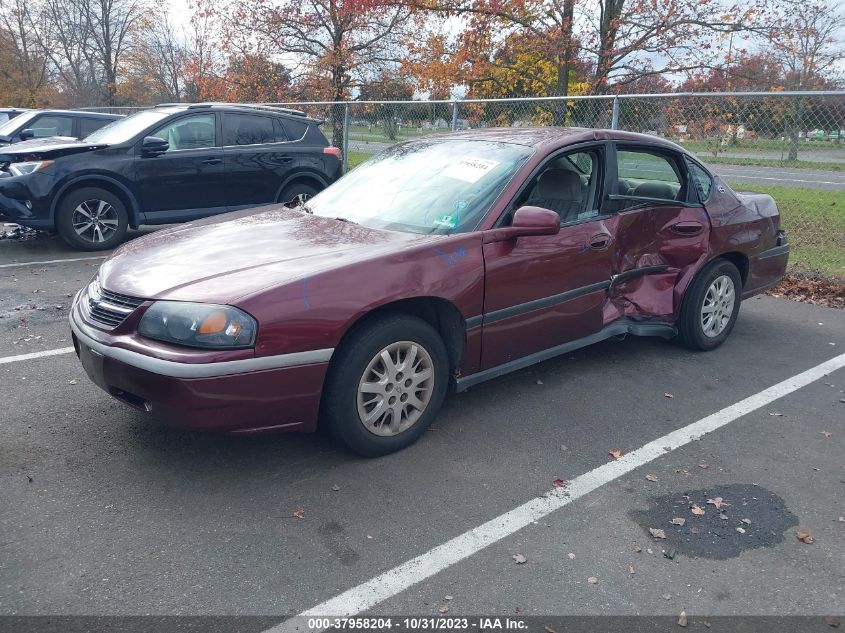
(334, 151)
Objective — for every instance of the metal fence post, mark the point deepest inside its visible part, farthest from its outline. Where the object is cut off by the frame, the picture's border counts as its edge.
(454, 115)
(614, 117)
(345, 137)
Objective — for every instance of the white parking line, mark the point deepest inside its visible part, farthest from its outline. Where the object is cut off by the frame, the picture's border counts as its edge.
(816, 182)
(398, 579)
(47, 352)
(53, 261)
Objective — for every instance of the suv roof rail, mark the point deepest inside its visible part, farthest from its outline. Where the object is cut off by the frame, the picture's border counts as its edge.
(245, 106)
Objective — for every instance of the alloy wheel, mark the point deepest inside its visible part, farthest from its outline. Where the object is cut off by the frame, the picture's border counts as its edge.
(718, 306)
(395, 388)
(95, 220)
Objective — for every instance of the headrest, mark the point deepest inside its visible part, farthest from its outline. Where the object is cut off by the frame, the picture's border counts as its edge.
(559, 184)
(661, 190)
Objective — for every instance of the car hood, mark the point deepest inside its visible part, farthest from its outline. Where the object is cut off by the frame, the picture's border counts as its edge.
(46, 148)
(224, 259)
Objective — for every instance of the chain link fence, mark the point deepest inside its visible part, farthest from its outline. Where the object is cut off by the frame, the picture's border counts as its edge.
(790, 145)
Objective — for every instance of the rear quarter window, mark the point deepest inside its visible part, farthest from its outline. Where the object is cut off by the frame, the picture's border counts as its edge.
(295, 129)
(701, 181)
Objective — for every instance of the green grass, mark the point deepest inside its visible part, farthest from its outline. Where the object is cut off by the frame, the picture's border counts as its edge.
(814, 221)
(356, 158)
(771, 162)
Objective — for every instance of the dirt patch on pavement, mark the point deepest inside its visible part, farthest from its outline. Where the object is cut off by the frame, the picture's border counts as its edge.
(719, 523)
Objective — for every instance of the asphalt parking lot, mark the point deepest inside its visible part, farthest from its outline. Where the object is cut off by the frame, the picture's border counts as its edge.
(104, 512)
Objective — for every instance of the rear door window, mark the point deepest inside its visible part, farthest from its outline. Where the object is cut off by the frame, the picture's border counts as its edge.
(247, 129)
(647, 174)
(88, 126)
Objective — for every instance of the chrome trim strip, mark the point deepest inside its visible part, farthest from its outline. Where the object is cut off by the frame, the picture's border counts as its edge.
(202, 370)
(108, 305)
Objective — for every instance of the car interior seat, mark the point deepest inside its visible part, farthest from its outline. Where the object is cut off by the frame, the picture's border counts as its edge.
(561, 191)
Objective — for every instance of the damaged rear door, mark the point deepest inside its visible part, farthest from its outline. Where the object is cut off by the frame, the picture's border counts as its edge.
(661, 232)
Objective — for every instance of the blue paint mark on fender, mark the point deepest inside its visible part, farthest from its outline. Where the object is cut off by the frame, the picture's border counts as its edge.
(583, 249)
(303, 290)
(451, 258)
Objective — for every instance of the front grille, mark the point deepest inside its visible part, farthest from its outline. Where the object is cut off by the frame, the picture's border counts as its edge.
(112, 308)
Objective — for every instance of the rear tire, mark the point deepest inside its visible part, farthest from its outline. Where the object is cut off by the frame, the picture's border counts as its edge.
(386, 385)
(711, 306)
(296, 194)
(92, 219)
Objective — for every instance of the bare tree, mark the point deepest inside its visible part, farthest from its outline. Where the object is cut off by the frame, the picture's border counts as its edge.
(24, 65)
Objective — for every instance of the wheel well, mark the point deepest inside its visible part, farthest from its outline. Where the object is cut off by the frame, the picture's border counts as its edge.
(301, 180)
(740, 261)
(441, 314)
(107, 186)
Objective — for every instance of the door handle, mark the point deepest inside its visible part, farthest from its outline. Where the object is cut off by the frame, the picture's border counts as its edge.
(600, 241)
(212, 161)
(687, 228)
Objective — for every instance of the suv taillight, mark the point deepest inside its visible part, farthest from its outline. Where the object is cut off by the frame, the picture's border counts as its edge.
(334, 151)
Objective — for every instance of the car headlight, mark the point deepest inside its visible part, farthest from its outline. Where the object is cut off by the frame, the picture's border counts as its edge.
(198, 325)
(21, 169)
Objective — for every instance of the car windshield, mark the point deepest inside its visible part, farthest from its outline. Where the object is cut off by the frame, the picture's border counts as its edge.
(430, 186)
(123, 130)
(12, 124)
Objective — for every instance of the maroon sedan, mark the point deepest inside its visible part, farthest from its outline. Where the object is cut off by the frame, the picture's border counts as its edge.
(441, 262)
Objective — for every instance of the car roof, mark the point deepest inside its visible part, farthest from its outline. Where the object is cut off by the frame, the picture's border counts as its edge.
(557, 136)
(238, 107)
(96, 115)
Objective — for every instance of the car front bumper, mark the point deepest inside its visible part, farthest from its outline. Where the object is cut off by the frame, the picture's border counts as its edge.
(204, 396)
(22, 204)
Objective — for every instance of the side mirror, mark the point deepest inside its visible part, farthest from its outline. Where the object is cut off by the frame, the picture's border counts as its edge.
(27, 134)
(153, 146)
(526, 221)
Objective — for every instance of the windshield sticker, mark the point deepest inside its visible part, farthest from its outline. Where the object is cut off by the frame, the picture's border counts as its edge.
(470, 170)
(445, 220)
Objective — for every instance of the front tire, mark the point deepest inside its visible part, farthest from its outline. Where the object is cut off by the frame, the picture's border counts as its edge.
(386, 385)
(92, 219)
(711, 306)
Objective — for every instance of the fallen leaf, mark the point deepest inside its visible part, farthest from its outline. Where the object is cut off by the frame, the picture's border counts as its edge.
(444, 609)
(631, 569)
(651, 478)
(678, 521)
(72, 382)
(549, 629)
(518, 610)
(695, 531)
(558, 482)
(740, 530)
(723, 516)
(615, 454)
(682, 619)
(335, 487)
(826, 433)
(832, 622)
(639, 549)
(657, 533)
(777, 415)
(667, 596)
(563, 447)
(571, 556)
(842, 519)
(703, 465)
(804, 536)
(299, 513)
(447, 597)
(667, 448)
(592, 580)
(539, 382)
(696, 510)
(519, 559)
(746, 521)
(718, 502)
